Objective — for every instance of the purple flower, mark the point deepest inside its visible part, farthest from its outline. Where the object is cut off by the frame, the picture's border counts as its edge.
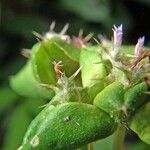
(139, 46)
(117, 35)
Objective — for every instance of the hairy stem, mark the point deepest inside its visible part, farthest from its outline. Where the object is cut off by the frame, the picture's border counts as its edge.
(118, 143)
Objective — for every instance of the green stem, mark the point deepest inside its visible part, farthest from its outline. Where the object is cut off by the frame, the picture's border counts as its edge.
(86, 147)
(118, 143)
(90, 146)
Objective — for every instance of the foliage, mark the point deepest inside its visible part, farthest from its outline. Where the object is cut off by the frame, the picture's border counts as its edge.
(83, 109)
(33, 88)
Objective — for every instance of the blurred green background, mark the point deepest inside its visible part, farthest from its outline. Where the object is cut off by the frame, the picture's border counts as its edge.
(18, 18)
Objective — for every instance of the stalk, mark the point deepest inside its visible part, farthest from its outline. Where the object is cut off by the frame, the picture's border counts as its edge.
(118, 143)
(90, 146)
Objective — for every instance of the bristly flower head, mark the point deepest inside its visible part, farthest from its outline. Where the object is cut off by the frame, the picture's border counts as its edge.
(117, 35)
(62, 35)
(139, 46)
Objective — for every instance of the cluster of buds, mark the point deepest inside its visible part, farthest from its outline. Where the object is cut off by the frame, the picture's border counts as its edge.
(138, 65)
(79, 41)
(118, 34)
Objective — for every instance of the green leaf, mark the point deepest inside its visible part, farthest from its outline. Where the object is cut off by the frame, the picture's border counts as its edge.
(140, 123)
(110, 99)
(92, 67)
(46, 52)
(68, 126)
(25, 84)
(96, 88)
(136, 96)
(37, 122)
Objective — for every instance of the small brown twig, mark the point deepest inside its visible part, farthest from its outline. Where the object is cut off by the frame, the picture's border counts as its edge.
(57, 69)
(143, 55)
